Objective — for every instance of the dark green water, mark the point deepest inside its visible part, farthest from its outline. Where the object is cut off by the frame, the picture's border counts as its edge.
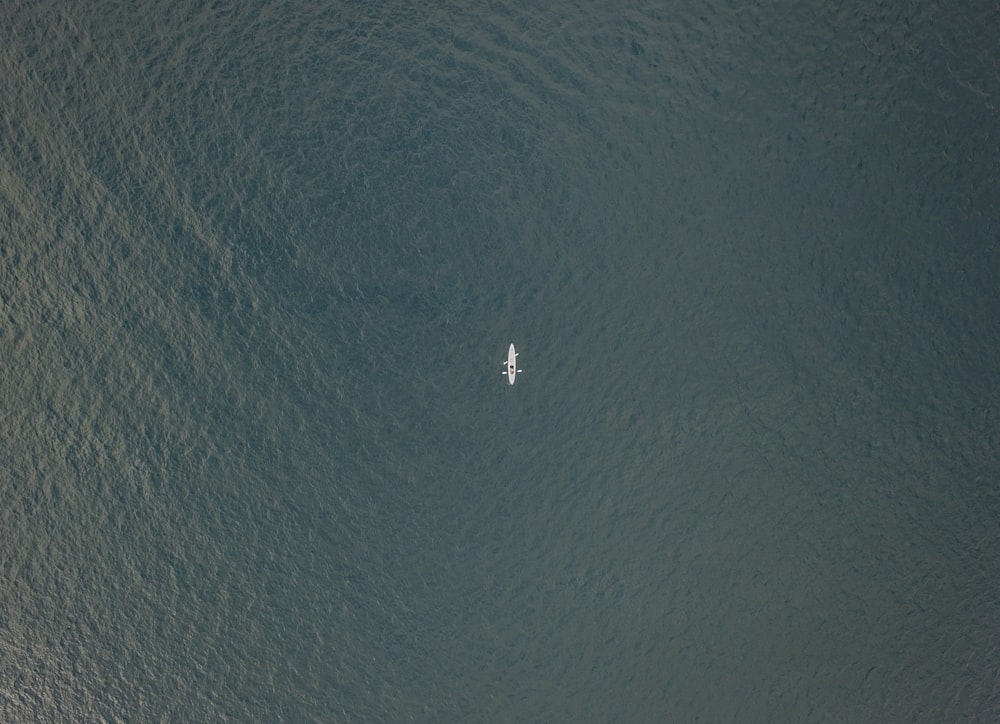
(260, 264)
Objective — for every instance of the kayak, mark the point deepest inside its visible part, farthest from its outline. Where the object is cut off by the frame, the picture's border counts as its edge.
(512, 369)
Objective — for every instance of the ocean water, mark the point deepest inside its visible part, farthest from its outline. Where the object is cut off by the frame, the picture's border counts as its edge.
(260, 263)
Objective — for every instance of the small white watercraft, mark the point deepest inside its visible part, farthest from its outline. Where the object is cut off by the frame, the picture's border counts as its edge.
(512, 369)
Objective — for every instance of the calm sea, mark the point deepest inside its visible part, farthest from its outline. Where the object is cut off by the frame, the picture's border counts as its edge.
(260, 263)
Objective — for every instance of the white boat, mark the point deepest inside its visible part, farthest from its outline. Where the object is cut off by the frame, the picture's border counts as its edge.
(512, 369)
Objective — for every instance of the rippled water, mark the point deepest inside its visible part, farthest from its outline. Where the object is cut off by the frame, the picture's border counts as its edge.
(259, 269)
